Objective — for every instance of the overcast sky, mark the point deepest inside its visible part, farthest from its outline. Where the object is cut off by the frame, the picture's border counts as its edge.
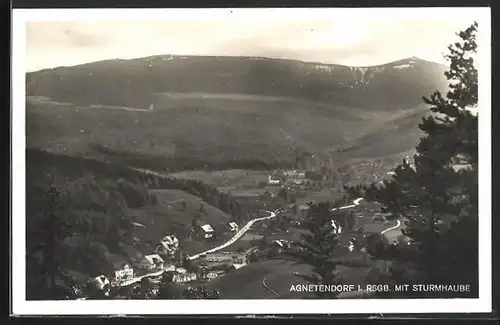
(349, 41)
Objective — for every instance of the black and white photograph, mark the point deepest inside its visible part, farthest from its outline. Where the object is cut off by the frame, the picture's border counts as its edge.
(219, 161)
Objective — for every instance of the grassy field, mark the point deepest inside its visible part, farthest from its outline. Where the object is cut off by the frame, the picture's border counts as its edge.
(189, 135)
(323, 195)
(246, 283)
(232, 178)
(169, 216)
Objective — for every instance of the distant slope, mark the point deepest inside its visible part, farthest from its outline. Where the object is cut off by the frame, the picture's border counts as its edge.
(169, 212)
(227, 112)
(166, 215)
(134, 83)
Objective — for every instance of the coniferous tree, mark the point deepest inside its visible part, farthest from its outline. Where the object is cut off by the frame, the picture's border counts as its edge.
(440, 186)
(47, 232)
(317, 247)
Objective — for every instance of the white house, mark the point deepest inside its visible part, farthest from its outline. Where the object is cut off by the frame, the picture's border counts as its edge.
(233, 226)
(183, 278)
(225, 257)
(239, 265)
(294, 174)
(282, 244)
(169, 268)
(181, 270)
(171, 241)
(337, 229)
(273, 181)
(151, 262)
(168, 245)
(102, 283)
(208, 231)
(124, 273)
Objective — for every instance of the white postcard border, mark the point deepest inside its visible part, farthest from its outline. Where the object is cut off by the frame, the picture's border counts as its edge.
(245, 307)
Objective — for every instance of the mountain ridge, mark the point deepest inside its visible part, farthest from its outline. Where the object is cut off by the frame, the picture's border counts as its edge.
(135, 83)
(203, 111)
(238, 56)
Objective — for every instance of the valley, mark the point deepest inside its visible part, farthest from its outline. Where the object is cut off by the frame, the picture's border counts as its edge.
(223, 154)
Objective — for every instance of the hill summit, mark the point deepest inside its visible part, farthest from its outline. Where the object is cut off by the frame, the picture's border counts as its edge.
(137, 82)
(228, 109)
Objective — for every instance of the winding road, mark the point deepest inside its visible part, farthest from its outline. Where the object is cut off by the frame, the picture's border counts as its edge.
(241, 232)
(392, 228)
(215, 249)
(238, 235)
(355, 203)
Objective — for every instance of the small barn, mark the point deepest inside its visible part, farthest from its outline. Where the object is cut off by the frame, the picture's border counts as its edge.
(233, 227)
(207, 231)
(152, 262)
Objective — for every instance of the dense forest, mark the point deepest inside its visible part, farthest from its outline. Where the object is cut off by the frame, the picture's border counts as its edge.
(82, 223)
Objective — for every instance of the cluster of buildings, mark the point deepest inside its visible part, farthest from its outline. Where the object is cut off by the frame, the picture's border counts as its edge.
(207, 232)
(214, 265)
(124, 273)
(287, 177)
(211, 265)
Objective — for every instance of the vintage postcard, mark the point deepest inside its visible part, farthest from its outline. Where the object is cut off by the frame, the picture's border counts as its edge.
(282, 161)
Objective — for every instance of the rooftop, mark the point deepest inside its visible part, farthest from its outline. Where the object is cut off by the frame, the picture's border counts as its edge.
(207, 228)
(170, 239)
(153, 259)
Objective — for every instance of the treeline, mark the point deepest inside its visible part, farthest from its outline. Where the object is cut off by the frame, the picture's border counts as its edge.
(76, 223)
(189, 161)
(132, 184)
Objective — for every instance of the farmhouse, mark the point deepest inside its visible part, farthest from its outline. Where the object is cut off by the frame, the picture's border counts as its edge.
(273, 180)
(152, 262)
(101, 283)
(122, 271)
(281, 243)
(169, 267)
(294, 175)
(181, 270)
(233, 226)
(208, 231)
(168, 245)
(239, 265)
(225, 257)
(337, 228)
(183, 278)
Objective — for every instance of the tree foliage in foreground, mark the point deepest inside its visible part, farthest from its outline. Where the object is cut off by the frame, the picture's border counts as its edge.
(318, 245)
(436, 195)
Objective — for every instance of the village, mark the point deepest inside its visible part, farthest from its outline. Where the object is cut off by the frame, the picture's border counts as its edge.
(169, 258)
(266, 239)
